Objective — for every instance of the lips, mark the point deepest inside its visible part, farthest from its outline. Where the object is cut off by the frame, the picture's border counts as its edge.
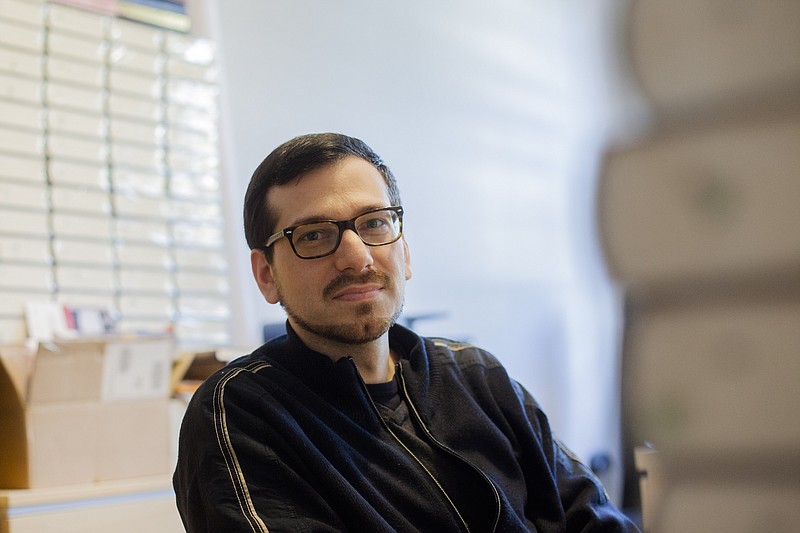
(359, 287)
(357, 292)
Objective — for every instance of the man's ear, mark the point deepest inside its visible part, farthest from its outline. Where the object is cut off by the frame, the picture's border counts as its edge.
(262, 272)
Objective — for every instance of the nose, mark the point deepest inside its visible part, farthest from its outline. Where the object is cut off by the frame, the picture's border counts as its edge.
(352, 253)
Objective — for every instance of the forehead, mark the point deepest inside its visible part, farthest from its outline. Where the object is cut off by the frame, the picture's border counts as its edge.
(340, 190)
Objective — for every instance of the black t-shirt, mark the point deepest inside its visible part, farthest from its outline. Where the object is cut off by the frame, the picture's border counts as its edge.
(462, 484)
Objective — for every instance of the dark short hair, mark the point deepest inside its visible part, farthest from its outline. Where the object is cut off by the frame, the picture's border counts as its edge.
(289, 162)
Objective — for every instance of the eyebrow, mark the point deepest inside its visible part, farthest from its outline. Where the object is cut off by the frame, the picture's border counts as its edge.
(318, 218)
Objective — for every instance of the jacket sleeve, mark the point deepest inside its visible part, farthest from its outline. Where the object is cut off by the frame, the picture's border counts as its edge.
(584, 501)
(228, 478)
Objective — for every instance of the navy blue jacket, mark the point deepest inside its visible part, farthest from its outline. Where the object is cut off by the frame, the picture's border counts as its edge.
(285, 439)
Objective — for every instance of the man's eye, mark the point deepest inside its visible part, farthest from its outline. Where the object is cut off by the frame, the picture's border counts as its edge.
(314, 235)
(375, 223)
(310, 236)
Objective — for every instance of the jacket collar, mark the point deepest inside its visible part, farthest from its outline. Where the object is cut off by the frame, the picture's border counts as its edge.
(290, 353)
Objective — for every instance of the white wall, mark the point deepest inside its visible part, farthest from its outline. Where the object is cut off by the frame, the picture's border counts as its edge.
(492, 115)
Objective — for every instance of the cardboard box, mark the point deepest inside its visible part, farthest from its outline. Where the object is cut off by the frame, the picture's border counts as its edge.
(704, 205)
(191, 369)
(84, 411)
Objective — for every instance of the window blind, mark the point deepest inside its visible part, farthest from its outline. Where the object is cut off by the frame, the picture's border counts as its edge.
(109, 173)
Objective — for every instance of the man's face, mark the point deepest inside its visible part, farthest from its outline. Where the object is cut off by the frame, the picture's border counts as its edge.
(353, 295)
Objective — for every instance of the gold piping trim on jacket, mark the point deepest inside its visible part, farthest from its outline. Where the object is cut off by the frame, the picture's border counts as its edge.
(454, 346)
(228, 453)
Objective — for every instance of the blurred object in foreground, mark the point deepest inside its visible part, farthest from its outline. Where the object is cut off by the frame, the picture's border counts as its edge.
(707, 205)
(699, 222)
(694, 58)
(698, 493)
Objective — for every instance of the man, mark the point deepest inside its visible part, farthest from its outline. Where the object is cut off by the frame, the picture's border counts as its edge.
(350, 422)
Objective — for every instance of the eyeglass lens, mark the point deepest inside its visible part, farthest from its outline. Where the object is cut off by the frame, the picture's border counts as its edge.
(375, 228)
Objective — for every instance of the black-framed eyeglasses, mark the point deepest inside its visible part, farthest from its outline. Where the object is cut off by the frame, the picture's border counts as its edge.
(376, 227)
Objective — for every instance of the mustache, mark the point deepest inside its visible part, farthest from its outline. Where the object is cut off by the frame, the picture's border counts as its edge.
(372, 276)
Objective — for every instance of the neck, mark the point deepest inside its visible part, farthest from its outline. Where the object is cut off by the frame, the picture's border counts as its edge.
(375, 369)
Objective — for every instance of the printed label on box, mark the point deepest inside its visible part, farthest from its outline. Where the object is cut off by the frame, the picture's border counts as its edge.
(136, 370)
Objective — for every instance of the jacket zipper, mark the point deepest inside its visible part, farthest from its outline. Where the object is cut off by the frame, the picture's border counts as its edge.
(447, 449)
(419, 462)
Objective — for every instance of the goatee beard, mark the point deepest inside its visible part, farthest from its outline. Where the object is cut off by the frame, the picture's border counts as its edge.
(366, 328)
(360, 332)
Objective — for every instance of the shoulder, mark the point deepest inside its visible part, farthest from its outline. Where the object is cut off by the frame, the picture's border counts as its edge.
(477, 367)
(236, 375)
(463, 354)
